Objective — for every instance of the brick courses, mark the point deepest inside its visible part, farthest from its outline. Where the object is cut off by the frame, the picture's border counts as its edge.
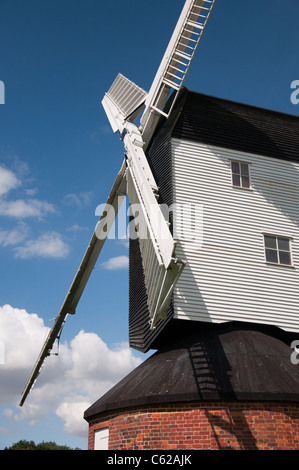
(202, 426)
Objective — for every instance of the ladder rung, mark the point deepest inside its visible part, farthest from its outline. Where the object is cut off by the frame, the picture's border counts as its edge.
(159, 111)
(195, 25)
(171, 84)
(189, 39)
(205, 17)
(175, 76)
(179, 62)
(185, 45)
(191, 32)
(185, 56)
(206, 7)
(171, 66)
(203, 8)
(200, 20)
(205, 1)
(200, 8)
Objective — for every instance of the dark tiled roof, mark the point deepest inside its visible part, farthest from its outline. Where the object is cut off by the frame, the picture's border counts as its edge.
(209, 362)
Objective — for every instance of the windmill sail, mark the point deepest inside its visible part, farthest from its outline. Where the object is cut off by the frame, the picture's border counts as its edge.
(123, 104)
(127, 97)
(160, 276)
(175, 63)
(87, 264)
(161, 268)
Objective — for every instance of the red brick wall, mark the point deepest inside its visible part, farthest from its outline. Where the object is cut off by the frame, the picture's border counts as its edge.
(209, 425)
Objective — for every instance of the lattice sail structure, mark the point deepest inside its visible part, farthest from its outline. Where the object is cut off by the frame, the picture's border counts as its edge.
(123, 104)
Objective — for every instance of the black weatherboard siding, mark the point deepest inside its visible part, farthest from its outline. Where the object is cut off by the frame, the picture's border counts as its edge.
(212, 121)
(236, 126)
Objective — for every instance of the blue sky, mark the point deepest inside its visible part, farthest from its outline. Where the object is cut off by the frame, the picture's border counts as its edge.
(58, 161)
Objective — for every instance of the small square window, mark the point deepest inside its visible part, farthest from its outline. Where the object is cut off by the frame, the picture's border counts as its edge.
(278, 250)
(240, 174)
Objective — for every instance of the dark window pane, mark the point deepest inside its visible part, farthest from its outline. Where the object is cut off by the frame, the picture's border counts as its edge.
(236, 180)
(284, 257)
(244, 169)
(270, 242)
(283, 244)
(271, 256)
(245, 182)
(235, 167)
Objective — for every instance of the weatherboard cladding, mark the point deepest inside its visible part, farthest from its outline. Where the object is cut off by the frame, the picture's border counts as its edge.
(198, 124)
(236, 126)
(140, 335)
(227, 278)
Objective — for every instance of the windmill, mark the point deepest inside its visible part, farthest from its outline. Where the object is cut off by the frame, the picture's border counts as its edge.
(123, 104)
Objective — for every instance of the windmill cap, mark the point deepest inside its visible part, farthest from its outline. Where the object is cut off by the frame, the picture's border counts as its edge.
(211, 362)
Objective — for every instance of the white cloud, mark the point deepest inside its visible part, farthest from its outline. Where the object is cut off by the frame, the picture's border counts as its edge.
(76, 228)
(71, 413)
(8, 181)
(48, 245)
(31, 192)
(119, 262)
(124, 242)
(14, 236)
(68, 384)
(23, 335)
(23, 209)
(20, 208)
(78, 200)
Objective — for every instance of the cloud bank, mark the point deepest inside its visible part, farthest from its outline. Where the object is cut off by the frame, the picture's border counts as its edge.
(85, 369)
(48, 245)
(8, 181)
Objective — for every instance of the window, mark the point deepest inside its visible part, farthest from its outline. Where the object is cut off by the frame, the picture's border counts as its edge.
(240, 174)
(278, 250)
(101, 438)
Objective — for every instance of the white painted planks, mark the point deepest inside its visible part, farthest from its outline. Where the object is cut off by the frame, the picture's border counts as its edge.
(228, 278)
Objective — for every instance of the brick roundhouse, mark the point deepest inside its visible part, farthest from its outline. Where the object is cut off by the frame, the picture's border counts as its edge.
(228, 387)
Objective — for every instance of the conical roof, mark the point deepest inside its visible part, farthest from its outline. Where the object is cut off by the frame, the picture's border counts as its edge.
(210, 362)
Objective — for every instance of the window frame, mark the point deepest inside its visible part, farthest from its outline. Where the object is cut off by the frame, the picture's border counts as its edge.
(232, 173)
(277, 250)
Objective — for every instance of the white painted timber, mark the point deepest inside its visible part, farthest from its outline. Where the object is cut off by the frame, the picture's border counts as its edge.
(126, 96)
(161, 270)
(152, 229)
(175, 63)
(227, 278)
